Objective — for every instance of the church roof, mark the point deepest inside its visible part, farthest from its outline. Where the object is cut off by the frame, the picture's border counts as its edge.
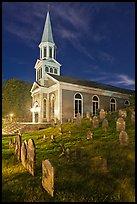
(47, 33)
(72, 80)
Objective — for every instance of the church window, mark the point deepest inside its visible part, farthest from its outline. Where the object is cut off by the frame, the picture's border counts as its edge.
(127, 103)
(51, 70)
(95, 105)
(112, 104)
(45, 52)
(46, 69)
(50, 52)
(44, 108)
(78, 104)
(55, 71)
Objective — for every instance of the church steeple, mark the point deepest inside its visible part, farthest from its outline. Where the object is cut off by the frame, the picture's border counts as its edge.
(47, 62)
(47, 33)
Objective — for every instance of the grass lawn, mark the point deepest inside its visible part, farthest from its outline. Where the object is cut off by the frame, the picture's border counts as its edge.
(77, 180)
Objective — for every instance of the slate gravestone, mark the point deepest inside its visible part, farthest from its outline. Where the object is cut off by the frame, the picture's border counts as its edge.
(31, 156)
(122, 113)
(68, 154)
(120, 124)
(24, 154)
(48, 177)
(102, 114)
(133, 117)
(105, 124)
(10, 143)
(78, 120)
(19, 140)
(123, 138)
(95, 122)
(88, 115)
(89, 135)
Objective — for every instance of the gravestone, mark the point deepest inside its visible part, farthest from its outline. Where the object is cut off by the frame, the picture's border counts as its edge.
(24, 154)
(48, 177)
(122, 113)
(120, 124)
(52, 138)
(89, 135)
(105, 124)
(123, 138)
(133, 118)
(44, 137)
(31, 156)
(10, 143)
(70, 133)
(88, 115)
(78, 120)
(95, 122)
(26, 143)
(68, 154)
(102, 114)
(19, 140)
(16, 148)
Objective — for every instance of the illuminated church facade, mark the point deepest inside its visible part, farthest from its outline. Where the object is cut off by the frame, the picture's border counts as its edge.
(56, 96)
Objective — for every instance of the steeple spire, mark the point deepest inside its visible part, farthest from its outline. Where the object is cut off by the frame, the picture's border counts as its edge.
(47, 33)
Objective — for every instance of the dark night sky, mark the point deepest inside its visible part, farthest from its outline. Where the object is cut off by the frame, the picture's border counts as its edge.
(95, 40)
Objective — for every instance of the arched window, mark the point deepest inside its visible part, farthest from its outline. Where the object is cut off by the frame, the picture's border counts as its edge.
(44, 108)
(95, 105)
(45, 51)
(127, 103)
(112, 104)
(52, 106)
(50, 52)
(51, 70)
(55, 71)
(46, 69)
(78, 101)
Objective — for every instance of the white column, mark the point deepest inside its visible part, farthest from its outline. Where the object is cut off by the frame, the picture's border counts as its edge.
(60, 103)
(47, 108)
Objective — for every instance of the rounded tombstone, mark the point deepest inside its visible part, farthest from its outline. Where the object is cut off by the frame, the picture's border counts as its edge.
(123, 138)
(95, 122)
(120, 124)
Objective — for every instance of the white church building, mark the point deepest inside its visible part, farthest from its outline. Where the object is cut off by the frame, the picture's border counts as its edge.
(56, 96)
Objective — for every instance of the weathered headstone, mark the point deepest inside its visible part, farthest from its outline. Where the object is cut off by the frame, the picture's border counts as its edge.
(95, 122)
(52, 138)
(19, 140)
(102, 114)
(123, 113)
(120, 124)
(68, 154)
(105, 124)
(78, 120)
(133, 118)
(10, 143)
(48, 177)
(123, 138)
(89, 135)
(31, 156)
(24, 154)
(88, 115)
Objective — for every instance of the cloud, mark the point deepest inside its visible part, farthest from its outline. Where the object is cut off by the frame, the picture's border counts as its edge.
(105, 56)
(123, 80)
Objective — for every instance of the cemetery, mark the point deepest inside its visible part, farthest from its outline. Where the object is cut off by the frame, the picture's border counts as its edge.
(90, 159)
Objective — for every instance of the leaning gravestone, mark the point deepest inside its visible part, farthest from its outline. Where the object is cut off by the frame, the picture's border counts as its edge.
(133, 117)
(123, 138)
(95, 122)
(48, 177)
(105, 124)
(24, 154)
(102, 114)
(78, 120)
(31, 156)
(120, 124)
(19, 140)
